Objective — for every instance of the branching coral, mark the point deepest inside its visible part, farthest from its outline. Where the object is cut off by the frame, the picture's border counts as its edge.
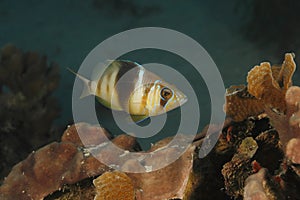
(269, 90)
(266, 90)
(28, 107)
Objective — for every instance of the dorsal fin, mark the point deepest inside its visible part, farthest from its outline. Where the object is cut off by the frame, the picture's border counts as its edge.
(98, 71)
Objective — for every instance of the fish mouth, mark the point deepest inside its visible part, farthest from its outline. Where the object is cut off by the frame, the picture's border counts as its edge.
(181, 98)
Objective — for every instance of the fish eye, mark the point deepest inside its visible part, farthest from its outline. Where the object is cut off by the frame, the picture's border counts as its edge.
(166, 93)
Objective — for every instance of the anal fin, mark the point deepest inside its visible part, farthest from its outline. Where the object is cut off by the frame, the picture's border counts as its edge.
(137, 118)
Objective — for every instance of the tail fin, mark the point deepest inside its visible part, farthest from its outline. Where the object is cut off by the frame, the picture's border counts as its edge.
(89, 86)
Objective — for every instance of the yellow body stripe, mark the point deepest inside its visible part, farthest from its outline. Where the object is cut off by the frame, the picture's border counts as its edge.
(106, 89)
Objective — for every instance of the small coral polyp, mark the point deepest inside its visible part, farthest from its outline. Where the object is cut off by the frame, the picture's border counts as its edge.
(114, 185)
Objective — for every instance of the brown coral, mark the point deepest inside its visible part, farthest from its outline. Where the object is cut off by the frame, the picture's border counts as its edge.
(270, 84)
(260, 80)
(170, 182)
(28, 108)
(239, 168)
(270, 88)
(266, 89)
(68, 162)
(241, 104)
(54, 165)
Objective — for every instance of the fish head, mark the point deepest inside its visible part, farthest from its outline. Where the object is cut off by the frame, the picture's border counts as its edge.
(163, 97)
(171, 97)
(155, 98)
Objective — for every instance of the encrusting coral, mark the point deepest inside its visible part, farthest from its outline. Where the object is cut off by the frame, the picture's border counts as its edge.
(174, 181)
(68, 162)
(28, 107)
(52, 166)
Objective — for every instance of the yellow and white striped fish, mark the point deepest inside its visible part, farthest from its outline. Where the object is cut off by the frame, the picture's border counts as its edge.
(128, 86)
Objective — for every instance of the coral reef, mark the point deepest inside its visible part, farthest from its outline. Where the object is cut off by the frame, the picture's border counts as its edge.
(56, 165)
(259, 149)
(271, 90)
(256, 157)
(66, 170)
(266, 90)
(28, 108)
(52, 166)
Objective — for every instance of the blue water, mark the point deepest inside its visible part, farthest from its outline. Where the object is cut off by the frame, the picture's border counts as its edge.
(66, 31)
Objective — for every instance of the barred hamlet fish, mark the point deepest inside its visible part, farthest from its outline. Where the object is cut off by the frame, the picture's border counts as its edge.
(128, 86)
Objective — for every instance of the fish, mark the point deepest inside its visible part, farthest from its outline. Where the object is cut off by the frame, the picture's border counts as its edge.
(127, 86)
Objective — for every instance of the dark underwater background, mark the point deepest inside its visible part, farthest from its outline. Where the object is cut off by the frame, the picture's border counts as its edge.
(236, 34)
